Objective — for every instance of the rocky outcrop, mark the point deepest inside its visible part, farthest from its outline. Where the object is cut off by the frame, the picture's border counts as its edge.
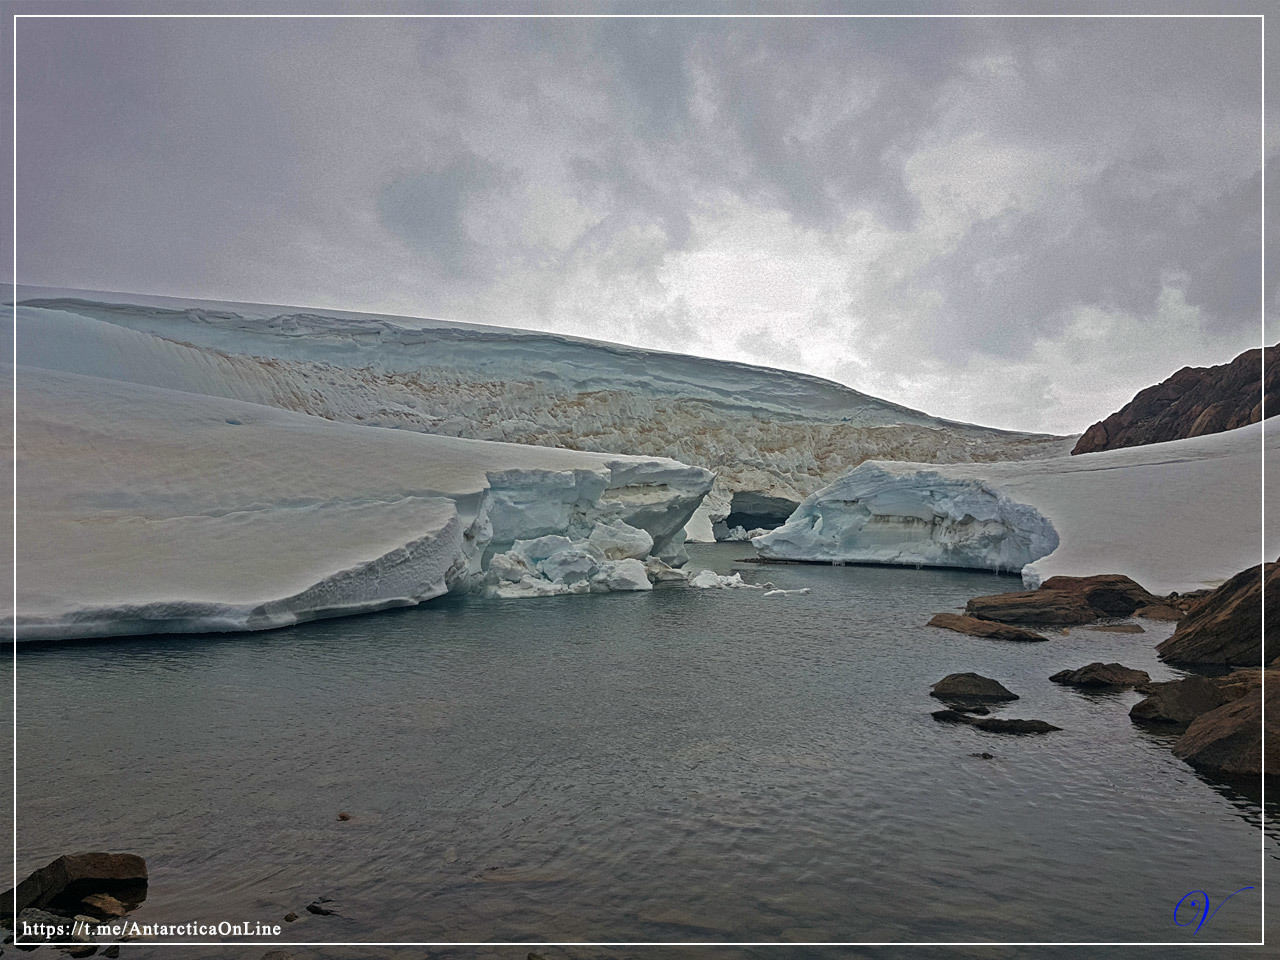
(1108, 594)
(1228, 741)
(990, 629)
(1067, 601)
(64, 883)
(1178, 702)
(1193, 402)
(1226, 626)
(1052, 608)
(970, 687)
(1102, 675)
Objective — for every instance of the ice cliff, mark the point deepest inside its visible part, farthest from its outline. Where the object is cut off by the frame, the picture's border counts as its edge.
(148, 510)
(773, 437)
(1173, 516)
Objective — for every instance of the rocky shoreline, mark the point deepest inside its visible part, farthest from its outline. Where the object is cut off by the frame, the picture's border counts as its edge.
(1219, 719)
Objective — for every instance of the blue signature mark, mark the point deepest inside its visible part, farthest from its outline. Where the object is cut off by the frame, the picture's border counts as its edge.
(1205, 915)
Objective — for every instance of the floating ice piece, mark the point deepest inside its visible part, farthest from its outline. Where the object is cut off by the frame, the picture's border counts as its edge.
(511, 567)
(625, 574)
(572, 563)
(621, 541)
(710, 580)
(535, 587)
(660, 572)
(673, 553)
(787, 593)
(741, 533)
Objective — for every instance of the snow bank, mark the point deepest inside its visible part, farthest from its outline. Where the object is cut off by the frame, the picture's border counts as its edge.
(146, 510)
(776, 435)
(1174, 516)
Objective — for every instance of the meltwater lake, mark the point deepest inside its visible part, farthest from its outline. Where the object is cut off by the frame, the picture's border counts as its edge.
(678, 766)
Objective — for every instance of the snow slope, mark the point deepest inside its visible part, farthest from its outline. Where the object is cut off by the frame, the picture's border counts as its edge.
(1174, 516)
(773, 435)
(148, 510)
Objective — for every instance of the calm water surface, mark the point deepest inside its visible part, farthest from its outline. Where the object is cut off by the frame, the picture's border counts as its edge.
(677, 766)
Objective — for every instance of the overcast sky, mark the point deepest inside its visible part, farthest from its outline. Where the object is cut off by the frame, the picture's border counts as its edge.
(1012, 222)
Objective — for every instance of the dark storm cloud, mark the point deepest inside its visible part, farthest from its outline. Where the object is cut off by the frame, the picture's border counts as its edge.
(931, 195)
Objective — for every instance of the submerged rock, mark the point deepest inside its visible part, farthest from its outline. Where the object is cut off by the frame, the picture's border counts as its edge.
(1118, 628)
(974, 627)
(1102, 675)
(1226, 626)
(321, 907)
(1160, 611)
(995, 724)
(66, 881)
(970, 687)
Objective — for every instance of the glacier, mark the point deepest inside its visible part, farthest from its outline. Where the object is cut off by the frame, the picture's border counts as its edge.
(142, 509)
(1175, 516)
(772, 437)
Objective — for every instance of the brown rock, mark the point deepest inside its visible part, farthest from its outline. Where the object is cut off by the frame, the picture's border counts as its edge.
(111, 952)
(1066, 601)
(1055, 607)
(993, 724)
(290, 917)
(1226, 626)
(970, 687)
(1108, 594)
(343, 815)
(1193, 402)
(974, 627)
(1102, 675)
(103, 906)
(66, 881)
(1178, 701)
(1228, 741)
(1119, 628)
(996, 725)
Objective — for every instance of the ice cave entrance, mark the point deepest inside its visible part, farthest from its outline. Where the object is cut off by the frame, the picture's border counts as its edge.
(755, 511)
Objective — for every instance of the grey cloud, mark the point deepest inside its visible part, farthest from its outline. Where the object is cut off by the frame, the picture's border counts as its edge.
(427, 209)
(482, 168)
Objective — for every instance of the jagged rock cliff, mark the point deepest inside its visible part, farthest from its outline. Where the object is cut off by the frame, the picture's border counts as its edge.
(1193, 402)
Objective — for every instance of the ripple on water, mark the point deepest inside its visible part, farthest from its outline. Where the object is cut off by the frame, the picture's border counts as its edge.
(680, 764)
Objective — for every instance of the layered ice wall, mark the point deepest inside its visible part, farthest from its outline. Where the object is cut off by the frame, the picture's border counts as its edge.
(773, 437)
(875, 515)
(1174, 516)
(147, 510)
